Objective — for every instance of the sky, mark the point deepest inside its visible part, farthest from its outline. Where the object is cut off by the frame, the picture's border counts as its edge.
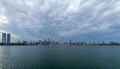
(78, 20)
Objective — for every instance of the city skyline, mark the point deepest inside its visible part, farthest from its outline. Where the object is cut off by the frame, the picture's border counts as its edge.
(77, 20)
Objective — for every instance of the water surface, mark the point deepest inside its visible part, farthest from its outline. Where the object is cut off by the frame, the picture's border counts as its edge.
(59, 57)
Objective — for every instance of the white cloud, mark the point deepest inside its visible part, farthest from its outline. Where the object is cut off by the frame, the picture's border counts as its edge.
(3, 19)
(74, 6)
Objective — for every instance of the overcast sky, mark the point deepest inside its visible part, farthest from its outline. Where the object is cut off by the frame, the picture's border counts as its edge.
(84, 20)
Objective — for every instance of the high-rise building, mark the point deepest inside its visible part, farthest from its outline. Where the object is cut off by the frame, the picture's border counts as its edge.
(8, 38)
(3, 37)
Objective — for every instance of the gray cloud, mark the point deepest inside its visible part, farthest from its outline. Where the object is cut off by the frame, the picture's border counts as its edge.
(59, 18)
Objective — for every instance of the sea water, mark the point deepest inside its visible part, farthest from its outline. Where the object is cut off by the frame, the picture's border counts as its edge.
(59, 57)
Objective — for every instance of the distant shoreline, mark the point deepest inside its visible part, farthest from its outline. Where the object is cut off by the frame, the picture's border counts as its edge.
(60, 45)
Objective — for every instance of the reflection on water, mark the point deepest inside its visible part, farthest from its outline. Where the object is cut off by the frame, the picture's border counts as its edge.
(56, 57)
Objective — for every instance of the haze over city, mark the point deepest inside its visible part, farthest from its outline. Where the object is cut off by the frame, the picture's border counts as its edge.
(84, 20)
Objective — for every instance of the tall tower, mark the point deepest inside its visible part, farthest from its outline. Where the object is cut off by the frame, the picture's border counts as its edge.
(8, 38)
(3, 37)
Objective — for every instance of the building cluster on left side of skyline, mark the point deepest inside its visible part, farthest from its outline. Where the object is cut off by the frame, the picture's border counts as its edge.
(6, 38)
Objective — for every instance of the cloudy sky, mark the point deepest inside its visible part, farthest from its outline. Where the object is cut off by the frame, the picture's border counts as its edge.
(84, 20)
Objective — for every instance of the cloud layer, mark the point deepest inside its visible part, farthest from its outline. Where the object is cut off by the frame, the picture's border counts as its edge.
(61, 19)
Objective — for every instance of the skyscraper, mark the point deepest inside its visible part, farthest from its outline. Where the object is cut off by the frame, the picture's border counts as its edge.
(8, 38)
(3, 37)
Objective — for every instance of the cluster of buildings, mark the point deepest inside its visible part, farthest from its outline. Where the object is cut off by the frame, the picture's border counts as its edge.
(6, 38)
(50, 42)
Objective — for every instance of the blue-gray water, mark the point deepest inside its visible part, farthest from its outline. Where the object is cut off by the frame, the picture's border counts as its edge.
(59, 57)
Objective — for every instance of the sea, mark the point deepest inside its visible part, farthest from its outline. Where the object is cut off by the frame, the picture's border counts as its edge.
(59, 57)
